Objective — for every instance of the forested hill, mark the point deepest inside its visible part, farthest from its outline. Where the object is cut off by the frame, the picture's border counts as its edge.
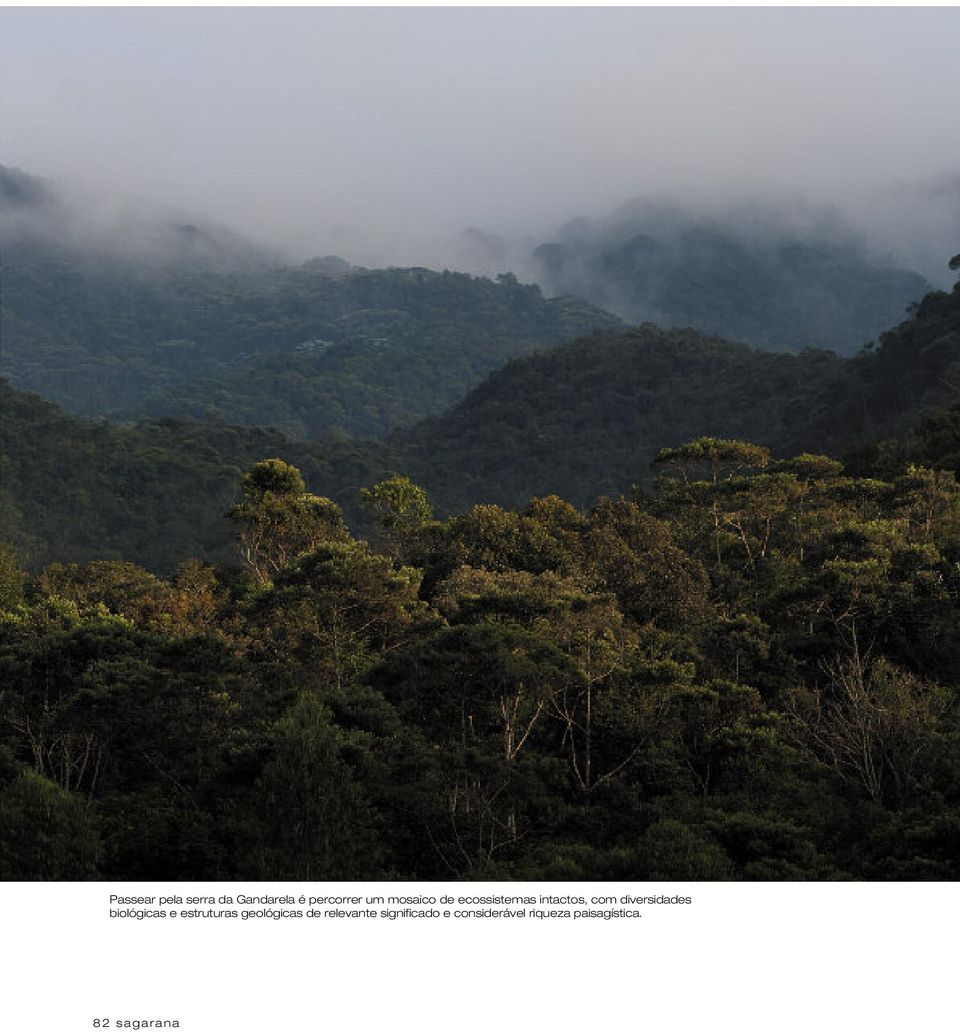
(581, 420)
(73, 488)
(587, 418)
(186, 321)
(130, 315)
(360, 352)
(783, 281)
(751, 674)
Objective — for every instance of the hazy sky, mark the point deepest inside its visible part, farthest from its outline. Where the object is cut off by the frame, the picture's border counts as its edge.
(373, 131)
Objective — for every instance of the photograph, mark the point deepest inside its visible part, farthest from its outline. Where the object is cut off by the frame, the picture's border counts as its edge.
(477, 445)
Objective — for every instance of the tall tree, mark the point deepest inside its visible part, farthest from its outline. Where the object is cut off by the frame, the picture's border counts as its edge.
(279, 520)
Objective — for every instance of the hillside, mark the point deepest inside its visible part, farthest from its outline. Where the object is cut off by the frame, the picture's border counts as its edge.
(131, 314)
(185, 321)
(589, 417)
(782, 280)
(749, 675)
(581, 420)
(73, 488)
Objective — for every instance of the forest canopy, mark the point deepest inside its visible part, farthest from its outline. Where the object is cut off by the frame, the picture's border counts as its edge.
(584, 602)
(579, 420)
(747, 674)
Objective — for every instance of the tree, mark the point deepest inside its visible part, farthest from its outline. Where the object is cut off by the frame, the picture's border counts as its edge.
(312, 818)
(482, 694)
(124, 588)
(12, 578)
(586, 627)
(712, 458)
(400, 510)
(279, 520)
(44, 832)
(695, 471)
(331, 614)
(635, 555)
(872, 723)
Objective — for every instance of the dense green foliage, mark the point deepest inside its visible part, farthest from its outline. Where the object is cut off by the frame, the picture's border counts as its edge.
(73, 489)
(750, 673)
(743, 275)
(302, 348)
(745, 670)
(588, 417)
(581, 420)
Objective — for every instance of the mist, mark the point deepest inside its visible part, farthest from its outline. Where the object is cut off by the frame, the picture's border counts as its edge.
(466, 137)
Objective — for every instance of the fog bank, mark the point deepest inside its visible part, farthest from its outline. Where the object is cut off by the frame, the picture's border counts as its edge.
(382, 134)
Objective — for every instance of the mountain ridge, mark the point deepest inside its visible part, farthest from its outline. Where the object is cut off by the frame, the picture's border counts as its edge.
(581, 420)
(783, 280)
